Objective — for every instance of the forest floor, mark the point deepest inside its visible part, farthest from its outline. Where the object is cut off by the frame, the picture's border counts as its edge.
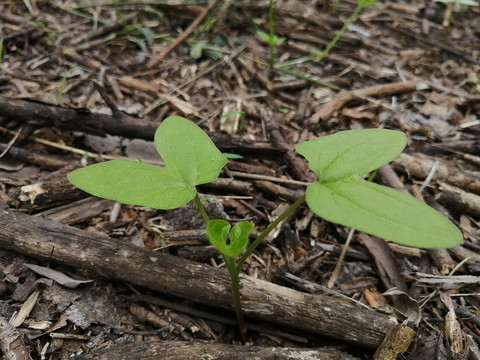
(84, 81)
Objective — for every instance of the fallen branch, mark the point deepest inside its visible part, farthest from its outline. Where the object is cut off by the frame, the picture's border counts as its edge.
(265, 301)
(39, 114)
(176, 350)
(343, 97)
(419, 166)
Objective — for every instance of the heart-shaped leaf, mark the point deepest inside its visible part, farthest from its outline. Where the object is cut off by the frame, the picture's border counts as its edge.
(190, 159)
(229, 243)
(351, 152)
(188, 152)
(383, 212)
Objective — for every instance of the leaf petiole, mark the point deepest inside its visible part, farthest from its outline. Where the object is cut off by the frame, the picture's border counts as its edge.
(201, 209)
(268, 230)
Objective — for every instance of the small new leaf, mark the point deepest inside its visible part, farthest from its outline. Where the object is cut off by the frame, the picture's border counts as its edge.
(229, 243)
(270, 39)
(265, 37)
(190, 159)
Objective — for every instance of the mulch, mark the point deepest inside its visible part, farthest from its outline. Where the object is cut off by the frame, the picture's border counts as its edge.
(86, 278)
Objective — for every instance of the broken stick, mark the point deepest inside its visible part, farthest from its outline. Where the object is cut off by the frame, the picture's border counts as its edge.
(265, 301)
(343, 97)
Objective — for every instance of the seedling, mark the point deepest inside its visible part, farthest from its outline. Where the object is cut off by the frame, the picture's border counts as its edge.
(62, 83)
(270, 38)
(339, 195)
(317, 56)
(361, 4)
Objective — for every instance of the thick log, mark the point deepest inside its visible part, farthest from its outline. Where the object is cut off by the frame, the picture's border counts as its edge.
(319, 314)
(176, 350)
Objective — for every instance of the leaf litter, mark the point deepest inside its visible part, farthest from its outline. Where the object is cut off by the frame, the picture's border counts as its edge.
(52, 52)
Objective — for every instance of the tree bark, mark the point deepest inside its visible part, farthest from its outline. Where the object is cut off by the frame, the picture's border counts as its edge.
(197, 282)
(40, 114)
(176, 350)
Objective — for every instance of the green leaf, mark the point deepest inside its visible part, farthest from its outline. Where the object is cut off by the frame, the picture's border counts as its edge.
(383, 212)
(364, 3)
(265, 37)
(351, 152)
(139, 42)
(190, 159)
(188, 151)
(239, 236)
(197, 49)
(233, 113)
(148, 34)
(229, 243)
(133, 182)
(232, 156)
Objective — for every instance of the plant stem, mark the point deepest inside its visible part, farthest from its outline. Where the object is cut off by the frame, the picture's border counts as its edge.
(271, 30)
(232, 267)
(267, 231)
(351, 19)
(201, 209)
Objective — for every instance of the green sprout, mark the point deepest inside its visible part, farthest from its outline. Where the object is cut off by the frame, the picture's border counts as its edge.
(62, 83)
(270, 38)
(340, 194)
(317, 56)
(140, 36)
(239, 113)
(361, 4)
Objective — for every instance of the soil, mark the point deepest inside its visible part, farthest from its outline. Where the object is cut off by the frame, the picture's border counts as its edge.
(84, 82)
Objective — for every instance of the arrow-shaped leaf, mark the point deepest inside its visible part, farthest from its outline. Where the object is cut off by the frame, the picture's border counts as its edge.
(383, 212)
(190, 159)
(351, 152)
(188, 151)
